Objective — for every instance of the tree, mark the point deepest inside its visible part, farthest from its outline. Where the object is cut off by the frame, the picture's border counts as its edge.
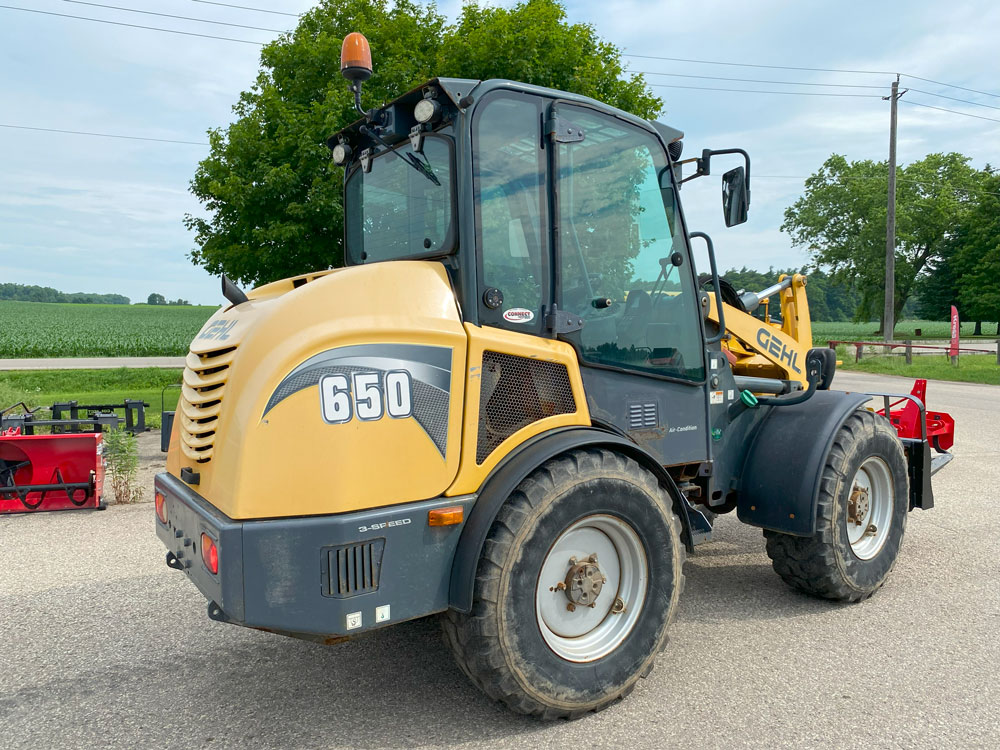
(156, 299)
(977, 260)
(841, 221)
(271, 193)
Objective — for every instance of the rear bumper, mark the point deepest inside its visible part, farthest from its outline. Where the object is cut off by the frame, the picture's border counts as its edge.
(323, 576)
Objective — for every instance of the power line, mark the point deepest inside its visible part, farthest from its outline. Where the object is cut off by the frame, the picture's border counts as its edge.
(171, 15)
(950, 85)
(758, 80)
(245, 7)
(751, 65)
(103, 135)
(952, 111)
(133, 25)
(849, 178)
(760, 91)
(964, 101)
(815, 70)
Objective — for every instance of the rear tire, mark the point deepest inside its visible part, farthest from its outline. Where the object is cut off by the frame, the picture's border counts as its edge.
(860, 517)
(522, 643)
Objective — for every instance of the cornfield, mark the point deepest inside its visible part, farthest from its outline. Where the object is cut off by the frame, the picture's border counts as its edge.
(39, 329)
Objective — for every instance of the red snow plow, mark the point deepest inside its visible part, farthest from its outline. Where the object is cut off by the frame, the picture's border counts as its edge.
(920, 431)
(940, 427)
(50, 472)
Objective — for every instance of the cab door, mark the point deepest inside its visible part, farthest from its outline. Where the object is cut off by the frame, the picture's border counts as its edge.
(622, 264)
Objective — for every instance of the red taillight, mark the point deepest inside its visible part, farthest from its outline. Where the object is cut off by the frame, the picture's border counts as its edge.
(161, 507)
(209, 553)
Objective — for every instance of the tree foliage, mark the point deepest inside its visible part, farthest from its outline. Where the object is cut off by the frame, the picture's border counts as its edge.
(841, 221)
(31, 293)
(272, 197)
(977, 259)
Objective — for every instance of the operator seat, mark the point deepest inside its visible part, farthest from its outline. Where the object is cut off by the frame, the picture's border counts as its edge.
(635, 318)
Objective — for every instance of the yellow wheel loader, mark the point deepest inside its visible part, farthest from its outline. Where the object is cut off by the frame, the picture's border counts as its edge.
(517, 406)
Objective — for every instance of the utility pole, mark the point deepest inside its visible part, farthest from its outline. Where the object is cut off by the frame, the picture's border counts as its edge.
(889, 311)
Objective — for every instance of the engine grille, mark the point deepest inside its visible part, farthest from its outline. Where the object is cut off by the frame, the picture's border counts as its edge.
(201, 400)
(515, 392)
(354, 568)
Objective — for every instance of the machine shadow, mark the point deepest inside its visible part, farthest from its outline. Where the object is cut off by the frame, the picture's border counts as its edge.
(398, 687)
(731, 579)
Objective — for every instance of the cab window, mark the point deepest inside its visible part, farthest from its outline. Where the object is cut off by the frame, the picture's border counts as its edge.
(509, 185)
(624, 265)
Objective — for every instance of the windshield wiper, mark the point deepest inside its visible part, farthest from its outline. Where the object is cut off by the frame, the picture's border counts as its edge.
(422, 167)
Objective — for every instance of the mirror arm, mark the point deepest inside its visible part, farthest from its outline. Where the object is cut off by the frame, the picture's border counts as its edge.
(701, 171)
(706, 157)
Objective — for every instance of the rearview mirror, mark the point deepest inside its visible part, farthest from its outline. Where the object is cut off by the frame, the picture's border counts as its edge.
(735, 198)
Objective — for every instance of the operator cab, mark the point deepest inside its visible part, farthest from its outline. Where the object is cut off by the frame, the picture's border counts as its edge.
(556, 216)
(585, 222)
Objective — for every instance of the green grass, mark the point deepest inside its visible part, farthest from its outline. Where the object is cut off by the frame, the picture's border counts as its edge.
(972, 368)
(41, 329)
(930, 329)
(45, 387)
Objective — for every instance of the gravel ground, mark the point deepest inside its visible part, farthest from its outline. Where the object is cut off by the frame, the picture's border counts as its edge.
(105, 647)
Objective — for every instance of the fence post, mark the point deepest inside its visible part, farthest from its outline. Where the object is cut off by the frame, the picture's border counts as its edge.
(857, 349)
(909, 351)
(998, 351)
(954, 360)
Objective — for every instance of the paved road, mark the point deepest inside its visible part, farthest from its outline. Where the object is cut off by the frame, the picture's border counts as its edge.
(89, 363)
(102, 645)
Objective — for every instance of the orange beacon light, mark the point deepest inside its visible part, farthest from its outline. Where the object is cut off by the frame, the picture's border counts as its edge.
(356, 58)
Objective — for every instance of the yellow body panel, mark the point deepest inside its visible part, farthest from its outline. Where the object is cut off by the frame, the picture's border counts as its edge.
(471, 474)
(270, 452)
(769, 350)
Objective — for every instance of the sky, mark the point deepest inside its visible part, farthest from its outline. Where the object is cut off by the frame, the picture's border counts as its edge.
(84, 213)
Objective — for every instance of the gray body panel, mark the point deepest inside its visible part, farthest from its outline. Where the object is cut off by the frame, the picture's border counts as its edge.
(677, 434)
(733, 425)
(272, 573)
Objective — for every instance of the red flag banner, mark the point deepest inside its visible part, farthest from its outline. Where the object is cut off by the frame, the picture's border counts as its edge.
(953, 351)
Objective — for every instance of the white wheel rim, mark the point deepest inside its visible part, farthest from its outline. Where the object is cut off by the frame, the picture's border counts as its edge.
(869, 512)
(583, 633)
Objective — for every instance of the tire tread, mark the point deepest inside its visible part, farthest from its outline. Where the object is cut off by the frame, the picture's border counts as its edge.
(474, 638)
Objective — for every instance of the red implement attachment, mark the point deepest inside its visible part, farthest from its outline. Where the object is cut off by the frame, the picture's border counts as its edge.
(940, 426)
(50, 472)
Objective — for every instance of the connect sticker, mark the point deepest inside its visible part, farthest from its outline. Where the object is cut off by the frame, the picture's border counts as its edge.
(354, 620)
(518, 315)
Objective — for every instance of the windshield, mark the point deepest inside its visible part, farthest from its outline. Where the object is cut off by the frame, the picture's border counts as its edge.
(399, 211)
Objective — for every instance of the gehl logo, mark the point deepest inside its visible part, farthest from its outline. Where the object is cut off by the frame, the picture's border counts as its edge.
(218, 330)
(770, 343)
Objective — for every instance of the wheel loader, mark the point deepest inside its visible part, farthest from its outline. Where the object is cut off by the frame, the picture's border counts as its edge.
(518, 406)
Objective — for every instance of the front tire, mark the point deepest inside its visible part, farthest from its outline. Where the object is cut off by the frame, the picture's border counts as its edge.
(578, 581)
(860, 517)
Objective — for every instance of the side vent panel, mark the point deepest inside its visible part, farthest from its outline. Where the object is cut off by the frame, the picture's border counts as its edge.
(517, 391)
(353, 569)
(642, 415)
(205, 377)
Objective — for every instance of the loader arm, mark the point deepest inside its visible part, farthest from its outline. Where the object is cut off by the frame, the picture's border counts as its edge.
(760, 348)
